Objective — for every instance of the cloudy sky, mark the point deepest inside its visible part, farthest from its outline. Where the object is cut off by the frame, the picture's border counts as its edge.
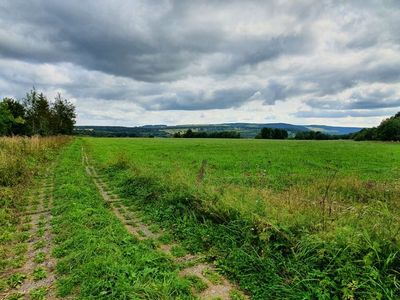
(175, 62)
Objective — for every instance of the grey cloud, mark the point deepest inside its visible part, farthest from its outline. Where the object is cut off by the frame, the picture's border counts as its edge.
(359, 100)
(342, 114)
(219, 99)
(157, 55)
(153, 49)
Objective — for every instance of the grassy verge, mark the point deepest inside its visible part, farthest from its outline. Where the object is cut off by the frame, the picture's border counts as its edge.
(97, 257)
(329, 238)
(21, 161)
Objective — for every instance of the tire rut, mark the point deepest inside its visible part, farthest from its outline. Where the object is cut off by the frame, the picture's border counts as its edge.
(37, 275)
(216, 286)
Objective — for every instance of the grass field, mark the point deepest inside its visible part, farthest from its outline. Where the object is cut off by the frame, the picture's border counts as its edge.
(284, 219)
(98, 218)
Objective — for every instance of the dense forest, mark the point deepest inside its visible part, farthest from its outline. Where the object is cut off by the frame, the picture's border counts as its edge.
(388, 130)
(36, 115)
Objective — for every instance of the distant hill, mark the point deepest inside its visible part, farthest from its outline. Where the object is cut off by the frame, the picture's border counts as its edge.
(247, 130)
(333, 129)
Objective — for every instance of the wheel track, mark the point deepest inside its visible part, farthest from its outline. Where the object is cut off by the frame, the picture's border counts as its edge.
(40, 231)
(192, 265)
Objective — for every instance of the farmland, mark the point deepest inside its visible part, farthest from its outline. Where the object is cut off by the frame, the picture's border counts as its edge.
(190, 218)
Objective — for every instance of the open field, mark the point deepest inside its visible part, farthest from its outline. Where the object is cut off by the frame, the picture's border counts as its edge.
(281, 218)
(199, 219)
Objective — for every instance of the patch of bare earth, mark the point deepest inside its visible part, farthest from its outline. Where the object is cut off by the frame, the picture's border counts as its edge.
(216, 286)
(38, 276)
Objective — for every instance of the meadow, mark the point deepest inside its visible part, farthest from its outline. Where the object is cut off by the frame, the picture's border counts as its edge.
(284, 219)
(108, 218)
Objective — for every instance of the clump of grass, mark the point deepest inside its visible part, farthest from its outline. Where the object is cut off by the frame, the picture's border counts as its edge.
(236, 295)
(40, 257)
(26, 227)
(38, 293)
(155, 228)
(39, 244)
(40, 232)
(16, 296)
(39, 273)
(196, 283)
(213, 276)
(3, 284)
(166, 238)
(16, 280)
(178, 251)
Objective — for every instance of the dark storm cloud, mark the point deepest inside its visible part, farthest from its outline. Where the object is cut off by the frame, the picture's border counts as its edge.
(204, 55)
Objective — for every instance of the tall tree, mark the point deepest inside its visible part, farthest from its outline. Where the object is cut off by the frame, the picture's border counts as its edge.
(38, 114)
(63, 116)
(6, 119)
(29, 103)
(18, 112)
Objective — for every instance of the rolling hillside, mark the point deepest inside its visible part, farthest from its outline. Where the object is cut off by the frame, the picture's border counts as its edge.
(247, 130)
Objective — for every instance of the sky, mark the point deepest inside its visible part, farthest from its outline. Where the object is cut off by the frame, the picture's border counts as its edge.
(129, 63)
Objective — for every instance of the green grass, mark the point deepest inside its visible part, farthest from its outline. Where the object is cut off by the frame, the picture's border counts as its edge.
(97, 257)
(39, 273)
(211, 275)
(22, 162)
(38, 294)
(285, 219)
(39, 257)
(16, 280)
(196, 283)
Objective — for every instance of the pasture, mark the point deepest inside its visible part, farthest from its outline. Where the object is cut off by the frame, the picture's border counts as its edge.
(110, 218)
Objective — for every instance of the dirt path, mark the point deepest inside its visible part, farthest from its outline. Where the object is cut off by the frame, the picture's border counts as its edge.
(210, 284)
(36, 278)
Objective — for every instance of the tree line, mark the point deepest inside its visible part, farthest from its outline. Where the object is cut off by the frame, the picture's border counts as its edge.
(204, 134)
(272, 133)
(36, 115)
(388, 130)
